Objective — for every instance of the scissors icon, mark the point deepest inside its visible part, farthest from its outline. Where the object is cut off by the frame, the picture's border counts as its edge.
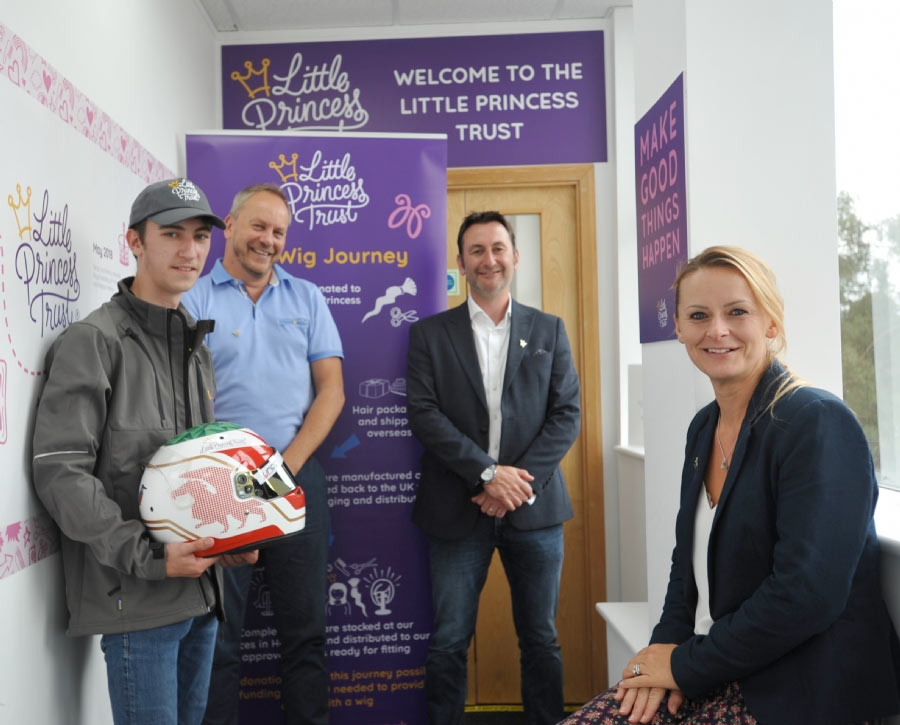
(398, 316)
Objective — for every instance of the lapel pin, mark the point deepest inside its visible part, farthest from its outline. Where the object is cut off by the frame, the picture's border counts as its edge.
(696, 463)
(522, 343)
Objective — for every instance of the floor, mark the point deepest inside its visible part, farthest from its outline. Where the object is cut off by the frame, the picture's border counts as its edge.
(499, 718)
(495, 718)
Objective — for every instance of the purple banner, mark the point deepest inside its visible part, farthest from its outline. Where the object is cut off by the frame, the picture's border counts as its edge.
(661, 210)
(369, 227)
(502, 100)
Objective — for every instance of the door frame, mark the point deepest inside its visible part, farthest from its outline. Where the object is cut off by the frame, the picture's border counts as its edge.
(581, 178)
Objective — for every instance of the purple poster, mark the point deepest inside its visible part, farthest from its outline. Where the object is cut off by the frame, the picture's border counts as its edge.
(369, 227)
(502, 100)
(661, 210)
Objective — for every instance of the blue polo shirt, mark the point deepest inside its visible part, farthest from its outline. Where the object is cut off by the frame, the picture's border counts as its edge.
(262, 351)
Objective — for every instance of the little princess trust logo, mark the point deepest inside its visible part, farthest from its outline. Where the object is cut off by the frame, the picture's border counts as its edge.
(185, 190)
(321, 191)
(309, 96)
(662, 312)
(42, 289)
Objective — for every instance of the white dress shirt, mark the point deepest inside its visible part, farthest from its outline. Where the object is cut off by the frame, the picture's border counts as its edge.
(492, 345)
(703, 520)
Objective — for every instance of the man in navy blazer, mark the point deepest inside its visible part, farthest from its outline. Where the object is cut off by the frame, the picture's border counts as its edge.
(493, 397)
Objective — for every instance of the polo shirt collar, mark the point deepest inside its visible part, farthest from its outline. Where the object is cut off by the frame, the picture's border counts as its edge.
(220, 275)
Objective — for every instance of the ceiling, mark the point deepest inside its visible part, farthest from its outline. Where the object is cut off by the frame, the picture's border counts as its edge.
(271, 15)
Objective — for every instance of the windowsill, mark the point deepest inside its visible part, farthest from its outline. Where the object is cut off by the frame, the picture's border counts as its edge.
(887, 520)
(631, 451)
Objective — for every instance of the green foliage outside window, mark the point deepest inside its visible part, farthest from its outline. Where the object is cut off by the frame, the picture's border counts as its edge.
(867, 254)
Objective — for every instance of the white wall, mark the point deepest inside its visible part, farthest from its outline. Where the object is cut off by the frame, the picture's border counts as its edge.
(760, 171)
(149, 66)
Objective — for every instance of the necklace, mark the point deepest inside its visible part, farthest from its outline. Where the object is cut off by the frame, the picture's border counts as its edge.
(724, 464)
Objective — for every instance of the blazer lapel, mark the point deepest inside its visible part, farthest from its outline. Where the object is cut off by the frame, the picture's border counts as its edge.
(702, 447)
(737, 460)
(520, 324)
(755, 408)
(459, 330)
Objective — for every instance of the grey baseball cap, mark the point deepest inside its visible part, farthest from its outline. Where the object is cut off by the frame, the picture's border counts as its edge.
(170, 202)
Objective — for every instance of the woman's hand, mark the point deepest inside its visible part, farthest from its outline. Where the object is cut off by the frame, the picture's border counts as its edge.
(639, 703)
(655, 666)
(641, 695)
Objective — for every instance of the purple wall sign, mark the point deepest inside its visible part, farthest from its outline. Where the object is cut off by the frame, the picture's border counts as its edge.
(661, 210)
(369, 227)
(502, 100)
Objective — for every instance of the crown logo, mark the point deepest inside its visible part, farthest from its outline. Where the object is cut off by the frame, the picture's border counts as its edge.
(26, 214)
(263, 71)
(292, 167)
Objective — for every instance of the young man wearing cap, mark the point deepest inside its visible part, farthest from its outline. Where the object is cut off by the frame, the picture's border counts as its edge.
(119, 384)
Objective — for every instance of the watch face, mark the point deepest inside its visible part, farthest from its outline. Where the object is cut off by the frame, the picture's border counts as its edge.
(488, 473)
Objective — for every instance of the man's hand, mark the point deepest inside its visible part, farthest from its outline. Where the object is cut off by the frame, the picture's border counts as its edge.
(489, 505)
(181, 559)
(245, 557)
(506, 491)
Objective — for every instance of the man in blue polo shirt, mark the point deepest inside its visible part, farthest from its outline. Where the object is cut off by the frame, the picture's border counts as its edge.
(277, 358)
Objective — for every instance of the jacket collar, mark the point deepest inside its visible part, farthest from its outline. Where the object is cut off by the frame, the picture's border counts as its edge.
(765, 391)
(459, 328)
(459, 325)
(756, 408)
(155, 319)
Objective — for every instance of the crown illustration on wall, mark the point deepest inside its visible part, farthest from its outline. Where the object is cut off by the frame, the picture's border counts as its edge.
(23, 220)
(291, 167)
(251, 71)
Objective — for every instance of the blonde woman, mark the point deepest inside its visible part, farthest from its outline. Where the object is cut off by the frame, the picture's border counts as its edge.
(773, 612)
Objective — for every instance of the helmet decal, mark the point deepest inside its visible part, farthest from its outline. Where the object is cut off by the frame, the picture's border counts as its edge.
(222, 481)
(210, 488)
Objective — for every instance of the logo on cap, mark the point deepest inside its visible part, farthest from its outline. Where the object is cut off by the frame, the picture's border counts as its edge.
(185, 190)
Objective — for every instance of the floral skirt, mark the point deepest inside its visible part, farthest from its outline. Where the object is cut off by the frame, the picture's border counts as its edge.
(724, 706)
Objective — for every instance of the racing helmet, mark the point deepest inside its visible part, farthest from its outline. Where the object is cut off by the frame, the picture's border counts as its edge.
(222, 481)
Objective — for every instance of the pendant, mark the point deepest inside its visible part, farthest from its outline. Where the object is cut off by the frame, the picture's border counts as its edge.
(724, 465)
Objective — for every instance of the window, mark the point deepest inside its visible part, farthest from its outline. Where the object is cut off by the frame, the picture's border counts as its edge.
(867, 102)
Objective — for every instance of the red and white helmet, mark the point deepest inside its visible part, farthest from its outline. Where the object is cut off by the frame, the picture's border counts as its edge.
(222, 481)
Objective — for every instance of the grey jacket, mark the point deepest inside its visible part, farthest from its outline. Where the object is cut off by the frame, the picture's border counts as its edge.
(119, 384)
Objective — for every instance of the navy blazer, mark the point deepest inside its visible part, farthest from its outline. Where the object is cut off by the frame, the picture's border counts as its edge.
(448, 414)
(792, 562)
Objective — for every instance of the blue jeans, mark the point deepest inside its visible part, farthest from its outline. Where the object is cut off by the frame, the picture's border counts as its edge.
(160, 676)
(533, 564)
(296, 575)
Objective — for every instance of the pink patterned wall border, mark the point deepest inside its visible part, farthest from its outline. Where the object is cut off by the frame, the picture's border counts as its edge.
(27, 542)
(29, 72)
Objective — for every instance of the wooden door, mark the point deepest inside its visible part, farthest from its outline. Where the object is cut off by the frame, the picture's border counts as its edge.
(563, 198)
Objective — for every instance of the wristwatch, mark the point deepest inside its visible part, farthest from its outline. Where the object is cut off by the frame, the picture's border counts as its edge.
(487, 475)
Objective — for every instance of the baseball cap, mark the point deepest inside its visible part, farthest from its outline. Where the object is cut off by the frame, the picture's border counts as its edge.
(170, 202)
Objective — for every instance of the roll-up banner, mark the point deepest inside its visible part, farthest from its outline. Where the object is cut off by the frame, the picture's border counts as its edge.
(369, 228)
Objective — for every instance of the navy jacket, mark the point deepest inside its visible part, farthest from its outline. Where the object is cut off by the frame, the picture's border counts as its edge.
(448, 414)
(800, 622)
